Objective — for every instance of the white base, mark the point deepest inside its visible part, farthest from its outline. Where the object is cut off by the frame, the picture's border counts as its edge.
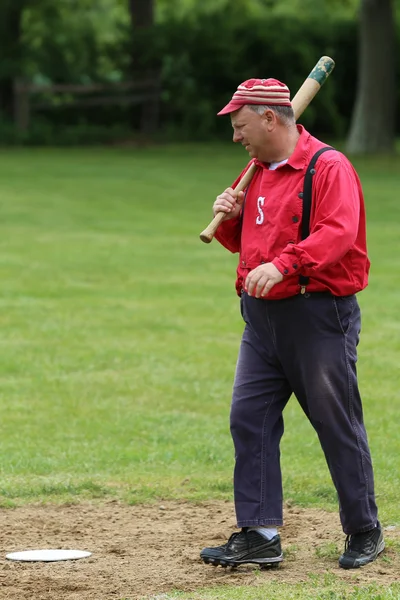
(47, 555)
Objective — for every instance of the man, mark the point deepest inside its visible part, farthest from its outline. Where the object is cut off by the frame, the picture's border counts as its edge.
(302, 323)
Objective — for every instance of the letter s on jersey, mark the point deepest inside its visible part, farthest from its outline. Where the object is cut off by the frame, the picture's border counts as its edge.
(260, 204)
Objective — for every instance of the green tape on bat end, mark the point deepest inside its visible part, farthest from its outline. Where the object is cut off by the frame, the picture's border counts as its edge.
(322, 70)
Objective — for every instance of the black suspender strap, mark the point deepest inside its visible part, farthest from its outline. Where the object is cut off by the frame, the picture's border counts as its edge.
(307, 200)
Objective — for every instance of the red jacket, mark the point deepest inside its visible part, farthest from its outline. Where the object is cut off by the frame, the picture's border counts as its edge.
(334, 256)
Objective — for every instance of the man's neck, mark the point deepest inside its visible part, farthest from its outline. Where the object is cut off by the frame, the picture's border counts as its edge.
(290, 143)
(287, 146)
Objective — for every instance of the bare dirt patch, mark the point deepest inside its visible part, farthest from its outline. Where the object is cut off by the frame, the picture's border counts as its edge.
(144, 551)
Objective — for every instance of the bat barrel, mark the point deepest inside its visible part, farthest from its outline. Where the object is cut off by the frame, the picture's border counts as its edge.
(312, 85)
(322, 70)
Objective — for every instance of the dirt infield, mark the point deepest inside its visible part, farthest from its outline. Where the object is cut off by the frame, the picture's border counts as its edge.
(144, 551)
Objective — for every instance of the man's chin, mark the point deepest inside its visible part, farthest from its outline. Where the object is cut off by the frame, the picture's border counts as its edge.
(251, 152)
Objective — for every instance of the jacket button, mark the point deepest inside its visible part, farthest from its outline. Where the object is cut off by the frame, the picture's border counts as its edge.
(291, 242)
(286, 271)
(295, 267)
(295, 219)
(300, 194)
(243, 263)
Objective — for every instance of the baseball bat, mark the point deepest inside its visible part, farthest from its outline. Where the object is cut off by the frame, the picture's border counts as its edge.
(301, 100)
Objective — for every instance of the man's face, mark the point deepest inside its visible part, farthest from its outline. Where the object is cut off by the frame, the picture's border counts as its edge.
(251, 130)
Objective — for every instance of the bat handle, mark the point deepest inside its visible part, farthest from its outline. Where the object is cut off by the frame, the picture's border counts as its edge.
(207, 235)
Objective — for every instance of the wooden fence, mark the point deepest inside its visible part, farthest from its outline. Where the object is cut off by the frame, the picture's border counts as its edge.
(29, 97)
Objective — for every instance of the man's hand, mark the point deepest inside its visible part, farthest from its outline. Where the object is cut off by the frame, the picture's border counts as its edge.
(262, 279)
(229, 202)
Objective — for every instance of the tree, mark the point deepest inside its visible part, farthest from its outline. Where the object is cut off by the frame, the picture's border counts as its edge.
(144, 64)
(142, 13)
(11, 12)
(373, 122)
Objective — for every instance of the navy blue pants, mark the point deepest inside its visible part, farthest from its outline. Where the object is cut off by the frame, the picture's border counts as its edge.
(305, 345)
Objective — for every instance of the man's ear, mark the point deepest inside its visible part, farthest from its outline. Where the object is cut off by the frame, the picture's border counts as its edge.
(269, 118)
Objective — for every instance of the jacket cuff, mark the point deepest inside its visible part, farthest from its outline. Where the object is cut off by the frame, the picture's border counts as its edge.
(287, 265)
(227, 234)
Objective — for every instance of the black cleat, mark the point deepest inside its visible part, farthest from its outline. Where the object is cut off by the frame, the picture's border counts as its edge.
(245, 547)
(362, 548)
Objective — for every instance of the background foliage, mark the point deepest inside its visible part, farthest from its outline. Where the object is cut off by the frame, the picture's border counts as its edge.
(201, 50)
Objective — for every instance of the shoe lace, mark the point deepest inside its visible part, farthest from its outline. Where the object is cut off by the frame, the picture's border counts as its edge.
(237, 534)
(347, 543)
(358, 541)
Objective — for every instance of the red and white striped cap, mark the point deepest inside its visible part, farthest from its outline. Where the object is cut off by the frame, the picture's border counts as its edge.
(258, 91)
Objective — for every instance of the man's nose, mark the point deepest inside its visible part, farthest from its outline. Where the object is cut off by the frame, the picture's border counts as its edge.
(237, 136)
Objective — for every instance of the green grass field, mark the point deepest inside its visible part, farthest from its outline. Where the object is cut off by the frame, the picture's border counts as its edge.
(120, 329)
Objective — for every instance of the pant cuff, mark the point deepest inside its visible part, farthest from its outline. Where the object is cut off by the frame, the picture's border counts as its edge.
(260, 523)
(361, 529)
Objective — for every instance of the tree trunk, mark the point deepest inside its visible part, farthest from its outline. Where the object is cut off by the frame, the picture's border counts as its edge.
(142, 13)
(373, 123)
(10, 52)
(143, 63)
